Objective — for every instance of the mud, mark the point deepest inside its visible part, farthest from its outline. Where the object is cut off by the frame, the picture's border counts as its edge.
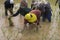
(48, 31)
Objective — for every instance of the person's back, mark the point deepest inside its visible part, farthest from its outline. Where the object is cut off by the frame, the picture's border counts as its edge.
(37, 12)
(41, 7)
(8, 0)
(9, 4)
(48, 7)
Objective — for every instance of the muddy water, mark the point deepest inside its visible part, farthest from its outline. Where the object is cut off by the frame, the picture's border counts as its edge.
(48, 31)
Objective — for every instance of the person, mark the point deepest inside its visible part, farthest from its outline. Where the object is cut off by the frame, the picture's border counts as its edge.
(33, 17)
(48, 13)
(8, 5)
(39, 5)
(23, 9)
(58, 1)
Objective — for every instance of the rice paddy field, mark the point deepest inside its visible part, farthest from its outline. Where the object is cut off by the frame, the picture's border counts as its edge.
(48, 31)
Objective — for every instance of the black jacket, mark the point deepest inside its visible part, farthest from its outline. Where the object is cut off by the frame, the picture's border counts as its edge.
(22, 11)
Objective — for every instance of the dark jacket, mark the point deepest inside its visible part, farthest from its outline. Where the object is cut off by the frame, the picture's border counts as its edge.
(7, 4)
(48, 7)
(22, 11)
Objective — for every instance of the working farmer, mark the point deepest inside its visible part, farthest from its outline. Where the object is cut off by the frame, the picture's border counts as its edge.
(48, 13)
(23, 9)
(33, 17)
(9, 4)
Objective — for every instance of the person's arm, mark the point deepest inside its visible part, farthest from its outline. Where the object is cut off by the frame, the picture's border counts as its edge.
(14, 14)
(17, 13)
(56, 2)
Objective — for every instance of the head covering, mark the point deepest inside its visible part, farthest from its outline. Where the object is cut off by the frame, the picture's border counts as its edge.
(11, 1)
(30, 17)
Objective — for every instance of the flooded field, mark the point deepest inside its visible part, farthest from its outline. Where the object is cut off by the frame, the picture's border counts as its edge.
(48, 31)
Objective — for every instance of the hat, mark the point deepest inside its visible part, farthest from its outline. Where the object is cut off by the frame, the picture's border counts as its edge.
(31, 17)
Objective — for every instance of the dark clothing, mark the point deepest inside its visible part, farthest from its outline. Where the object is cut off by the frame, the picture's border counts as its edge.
(9, 7)
(22, 11)
(48, 7)
(37, 13)
(41, 7)
(10, 10)
(47, 13)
